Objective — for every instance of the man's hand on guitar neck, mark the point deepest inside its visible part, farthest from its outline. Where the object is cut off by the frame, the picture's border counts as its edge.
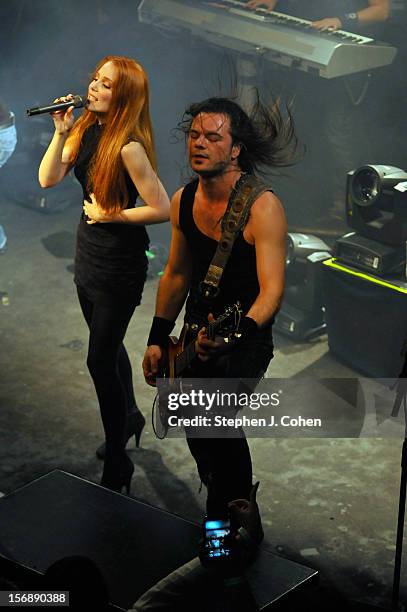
(207, 349)
(151, 360)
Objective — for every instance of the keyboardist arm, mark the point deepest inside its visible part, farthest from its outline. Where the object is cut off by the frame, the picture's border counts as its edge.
(377, 11)
(268, 4)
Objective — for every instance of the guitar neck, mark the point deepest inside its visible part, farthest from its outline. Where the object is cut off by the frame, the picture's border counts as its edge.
(184, 359)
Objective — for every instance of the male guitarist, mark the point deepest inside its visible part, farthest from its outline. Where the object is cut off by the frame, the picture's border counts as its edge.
(223, 145)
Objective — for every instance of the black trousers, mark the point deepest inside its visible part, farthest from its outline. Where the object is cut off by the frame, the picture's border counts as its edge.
(109, 367)
(224, 464)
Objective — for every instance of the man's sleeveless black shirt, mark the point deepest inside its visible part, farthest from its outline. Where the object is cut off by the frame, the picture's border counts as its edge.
(239, 280)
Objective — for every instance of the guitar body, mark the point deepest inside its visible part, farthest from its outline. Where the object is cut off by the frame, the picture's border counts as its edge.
(179, 355)
(174, 349)
(168, 372)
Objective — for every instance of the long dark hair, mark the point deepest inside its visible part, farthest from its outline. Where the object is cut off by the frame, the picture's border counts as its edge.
(266, 134)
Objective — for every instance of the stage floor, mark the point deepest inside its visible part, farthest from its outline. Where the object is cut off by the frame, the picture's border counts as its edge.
(328, 503)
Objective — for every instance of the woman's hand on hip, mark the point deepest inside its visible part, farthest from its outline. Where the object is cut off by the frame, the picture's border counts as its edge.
(95, 212)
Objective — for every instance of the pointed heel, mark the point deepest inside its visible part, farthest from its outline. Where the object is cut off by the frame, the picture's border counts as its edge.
(134, 427)
(136, 423)
(137, 437)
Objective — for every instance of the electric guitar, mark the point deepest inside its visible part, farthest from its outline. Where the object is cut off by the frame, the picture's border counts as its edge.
(179, 356)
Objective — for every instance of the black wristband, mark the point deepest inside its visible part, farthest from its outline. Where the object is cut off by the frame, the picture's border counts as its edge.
(159, 332)
(248, 329)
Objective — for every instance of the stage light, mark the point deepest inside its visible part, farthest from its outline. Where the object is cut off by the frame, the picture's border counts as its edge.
(301, 315)
(376, 203)
(300, 246)
(376, 207)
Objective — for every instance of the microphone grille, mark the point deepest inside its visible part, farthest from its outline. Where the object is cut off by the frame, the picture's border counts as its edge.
(80, 101)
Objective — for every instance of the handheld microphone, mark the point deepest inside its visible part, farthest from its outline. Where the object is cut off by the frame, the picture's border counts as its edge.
(77, 102)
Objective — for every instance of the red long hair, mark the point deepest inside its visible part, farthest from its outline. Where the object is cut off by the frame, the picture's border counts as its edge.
(128, 118)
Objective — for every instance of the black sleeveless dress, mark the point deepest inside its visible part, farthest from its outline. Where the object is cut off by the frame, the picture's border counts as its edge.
(110, 261)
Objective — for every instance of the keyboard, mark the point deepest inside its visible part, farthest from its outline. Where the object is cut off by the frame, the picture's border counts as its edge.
(276, 37)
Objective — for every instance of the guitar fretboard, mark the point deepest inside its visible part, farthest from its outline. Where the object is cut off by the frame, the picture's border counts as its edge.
(184, 358)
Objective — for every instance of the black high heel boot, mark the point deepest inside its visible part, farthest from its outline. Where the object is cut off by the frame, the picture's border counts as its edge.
(117, 473)
(134, 427)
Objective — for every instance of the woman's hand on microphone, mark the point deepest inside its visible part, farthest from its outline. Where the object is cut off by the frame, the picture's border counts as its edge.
(63, 119)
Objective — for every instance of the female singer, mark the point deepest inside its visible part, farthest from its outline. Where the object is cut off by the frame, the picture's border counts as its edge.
(111, 149)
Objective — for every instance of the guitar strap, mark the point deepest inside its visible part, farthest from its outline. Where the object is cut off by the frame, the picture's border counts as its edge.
(246, 191)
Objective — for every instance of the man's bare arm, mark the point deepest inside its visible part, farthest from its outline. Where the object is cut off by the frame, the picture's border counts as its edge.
(175, 281)
(268, 227)
(172, 291)
(377, 11)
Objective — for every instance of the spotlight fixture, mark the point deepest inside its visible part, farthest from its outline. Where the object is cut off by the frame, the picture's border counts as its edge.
(376, 203)
(300, 246)
(301, 315)
(376, 207)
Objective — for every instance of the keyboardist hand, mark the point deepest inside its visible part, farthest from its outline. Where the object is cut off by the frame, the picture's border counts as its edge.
(330, 24)
(268, 4)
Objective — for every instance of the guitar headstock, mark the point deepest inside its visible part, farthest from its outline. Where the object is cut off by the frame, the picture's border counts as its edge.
(227, 324)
